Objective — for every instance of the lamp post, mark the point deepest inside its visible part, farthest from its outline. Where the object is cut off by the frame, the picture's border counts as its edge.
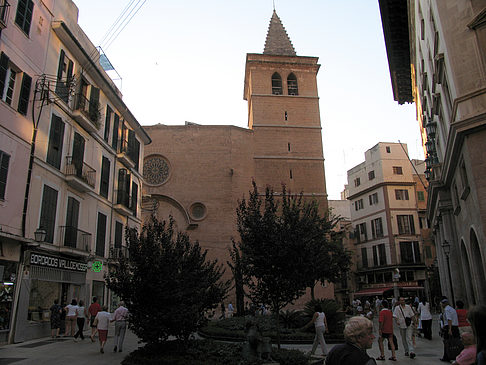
(447, 250)
(396, 277)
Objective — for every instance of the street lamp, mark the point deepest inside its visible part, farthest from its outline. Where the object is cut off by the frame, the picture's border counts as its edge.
(396, 277)
(40, 234)
(447, 250)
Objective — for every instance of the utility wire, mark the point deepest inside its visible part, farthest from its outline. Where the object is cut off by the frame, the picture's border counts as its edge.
(411, 163)
(116, 22)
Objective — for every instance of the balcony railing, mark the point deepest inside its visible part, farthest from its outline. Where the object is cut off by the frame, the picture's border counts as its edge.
(124, 198)
(89, 109)
(80, 170)
(117, 252)
(4, 10)
(75, 238)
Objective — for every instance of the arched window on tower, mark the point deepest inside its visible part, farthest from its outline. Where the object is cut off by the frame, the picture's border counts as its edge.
(276, 84)
(292, 84)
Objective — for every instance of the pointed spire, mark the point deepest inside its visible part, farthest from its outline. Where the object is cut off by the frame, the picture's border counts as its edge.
(278, 42)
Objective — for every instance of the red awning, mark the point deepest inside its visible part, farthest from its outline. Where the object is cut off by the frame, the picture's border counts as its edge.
(372, 291)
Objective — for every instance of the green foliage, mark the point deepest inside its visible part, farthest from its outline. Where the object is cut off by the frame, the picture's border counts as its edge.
(292, 318)
(203, 353)
(334, 317)
(238, 279)
(166, 282)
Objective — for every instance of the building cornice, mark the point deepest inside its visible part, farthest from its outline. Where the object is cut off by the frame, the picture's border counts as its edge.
(288, 158)
(380, 185)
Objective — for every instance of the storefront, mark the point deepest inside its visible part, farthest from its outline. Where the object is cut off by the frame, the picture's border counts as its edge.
(47, 277)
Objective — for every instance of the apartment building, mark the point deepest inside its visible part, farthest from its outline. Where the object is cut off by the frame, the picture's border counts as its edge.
(384, 192)
(70, 154)
(436, 54)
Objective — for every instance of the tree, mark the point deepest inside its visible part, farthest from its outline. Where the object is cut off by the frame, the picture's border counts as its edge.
(166, 282)
(285, 249)
(237, 270)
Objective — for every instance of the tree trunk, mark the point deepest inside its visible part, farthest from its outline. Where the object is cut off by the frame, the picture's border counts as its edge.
(278, 328)
(312, 291)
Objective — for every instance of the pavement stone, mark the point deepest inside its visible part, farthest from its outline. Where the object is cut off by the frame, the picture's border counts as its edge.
(66, 350)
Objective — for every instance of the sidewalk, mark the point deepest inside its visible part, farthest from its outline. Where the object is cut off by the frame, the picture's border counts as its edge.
(65, 351)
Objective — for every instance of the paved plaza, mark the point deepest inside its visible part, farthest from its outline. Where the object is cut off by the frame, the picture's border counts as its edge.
(65, 350)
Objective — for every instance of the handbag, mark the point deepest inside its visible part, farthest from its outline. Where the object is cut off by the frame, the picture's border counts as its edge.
(408, 320)
(453, 347)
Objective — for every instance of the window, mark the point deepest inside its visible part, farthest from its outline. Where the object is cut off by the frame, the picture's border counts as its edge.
(375, 256)
(116, 131)
(401, 194)
(357, 181)
(99, 291)
(134, 198)
(71, 229)
(373, 198)
(41, 296)
(420, 196)
(363, 236)
(410, 252)
(464, 180)
(291, 173)
(377, 228)
(109, 113)
(64, 77)
(358, 204)
(123, 194)
(388, 150)
(371, 175)
(23, 17)
(364, 257)
(48, 212)
(405, 224)
(133, 148)
(286, 116)
(101, 235)
(105, 177)
(9, 79)
(118, 234)
(428, 252)
(397, 170)
(78, 154)
(288, 146)
(382, 254)
(292, 85)
(4, 162)
(276, 84)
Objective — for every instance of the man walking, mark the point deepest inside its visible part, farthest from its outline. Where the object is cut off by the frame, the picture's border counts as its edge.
(403, 315)
(386, 331)
(451, 325)
(120, 318)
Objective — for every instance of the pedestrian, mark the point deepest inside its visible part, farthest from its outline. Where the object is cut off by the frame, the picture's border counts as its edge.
(93, 310)
(464, 325)
(231, 309)
(477, 318)
(358, 334)
(468, 355)
(120, 318)
(71, 318)
(377, 305)
(56, 311)
(450, 326)
(320, 323)
(81, 314)
(102, 321)
(223, 310)
(403, 315)
(386, 331)
(425, 318)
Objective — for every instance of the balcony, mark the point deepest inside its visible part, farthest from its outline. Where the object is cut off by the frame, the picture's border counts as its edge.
(75, 238)
(79, 175)
(123, 203)
(117, 252)
(4, 10)
(123, 154)
(86, 114)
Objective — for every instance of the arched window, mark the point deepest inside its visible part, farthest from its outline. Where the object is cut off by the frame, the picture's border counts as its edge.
(276, 84)
(292, 85)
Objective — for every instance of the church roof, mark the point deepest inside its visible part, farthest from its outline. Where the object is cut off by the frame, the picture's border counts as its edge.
(278, 42)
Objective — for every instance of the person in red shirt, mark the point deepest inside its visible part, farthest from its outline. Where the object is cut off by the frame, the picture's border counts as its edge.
(386, 331)
(93, 310)
(464, 325)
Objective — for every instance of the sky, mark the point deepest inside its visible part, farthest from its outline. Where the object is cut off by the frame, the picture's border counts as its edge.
(185, 61)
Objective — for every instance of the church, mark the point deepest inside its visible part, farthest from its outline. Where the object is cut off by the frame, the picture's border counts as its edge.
(197, 173)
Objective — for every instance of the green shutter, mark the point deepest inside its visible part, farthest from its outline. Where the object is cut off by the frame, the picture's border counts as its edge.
(4, 162)
(48, 212)
(56, 136)
(101, 235)
(3, 72)
(24, 94)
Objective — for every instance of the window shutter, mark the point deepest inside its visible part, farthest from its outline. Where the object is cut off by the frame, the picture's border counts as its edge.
(101, 235)
(28, 16)
(109, 112)
(416, 251)
(60, 67)
(24, 94)
(105, 177)
(134, 198)
(412, 224)
(118, 234)
(94, 103)
(56, 136)
(23, 17)
(72, 216)
(78, 154)
(4, 162)
(3, 72)
(48, 212)
(116, 126)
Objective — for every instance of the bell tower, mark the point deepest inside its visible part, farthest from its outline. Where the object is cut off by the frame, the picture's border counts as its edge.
(283, 112)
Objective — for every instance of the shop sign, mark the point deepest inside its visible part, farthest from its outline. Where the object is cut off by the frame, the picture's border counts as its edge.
(57, 262)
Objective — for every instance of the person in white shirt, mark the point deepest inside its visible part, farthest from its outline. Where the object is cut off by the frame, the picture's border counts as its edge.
(320, 324)
(425, 318)
(450, 324)
(102, 322)
(81, 314)
(231, 309)
(71, 316)
(401, 312)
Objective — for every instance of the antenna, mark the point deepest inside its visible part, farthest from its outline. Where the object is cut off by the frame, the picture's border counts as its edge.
(273, 5)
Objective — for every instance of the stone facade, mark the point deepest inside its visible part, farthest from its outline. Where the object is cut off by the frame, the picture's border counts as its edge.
(211, 167)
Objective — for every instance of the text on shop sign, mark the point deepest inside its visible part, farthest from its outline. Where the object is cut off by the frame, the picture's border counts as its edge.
(57, 262)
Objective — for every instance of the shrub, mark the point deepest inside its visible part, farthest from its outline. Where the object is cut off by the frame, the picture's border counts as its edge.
(335, 318)
(292, 318)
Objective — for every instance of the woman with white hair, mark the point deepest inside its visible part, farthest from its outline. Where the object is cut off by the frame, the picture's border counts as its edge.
(359, 336)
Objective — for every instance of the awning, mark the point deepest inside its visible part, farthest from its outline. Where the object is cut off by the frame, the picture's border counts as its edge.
(372, 291)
